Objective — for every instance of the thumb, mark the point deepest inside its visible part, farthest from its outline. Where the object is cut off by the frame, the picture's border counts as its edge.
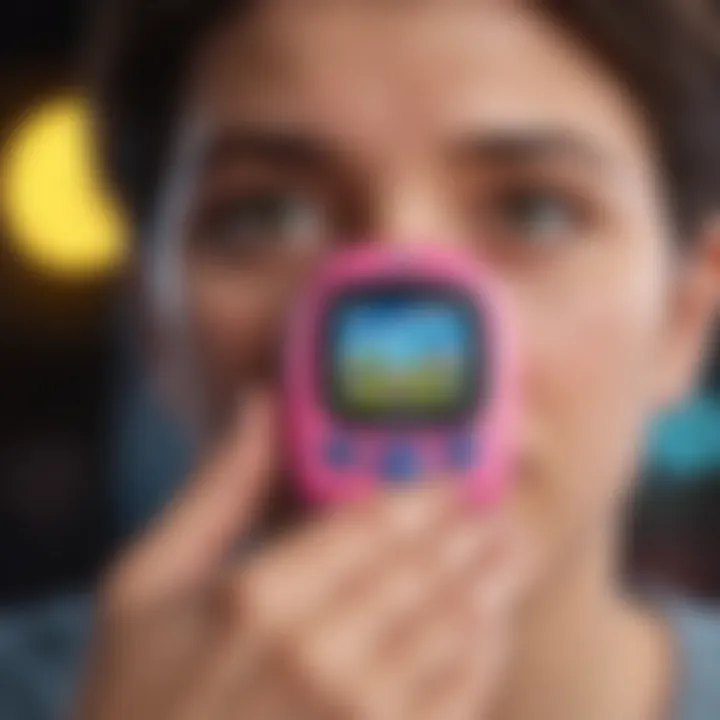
(216, 508)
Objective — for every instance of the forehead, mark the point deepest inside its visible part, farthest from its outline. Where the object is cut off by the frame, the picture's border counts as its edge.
(375, 73)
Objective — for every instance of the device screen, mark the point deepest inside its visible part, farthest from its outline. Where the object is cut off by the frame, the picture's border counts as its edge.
(404, 355)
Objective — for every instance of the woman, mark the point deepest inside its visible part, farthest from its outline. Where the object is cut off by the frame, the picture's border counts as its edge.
(572, 147)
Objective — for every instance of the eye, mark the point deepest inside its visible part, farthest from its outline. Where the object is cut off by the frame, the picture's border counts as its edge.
(537, 215)
(261, 222)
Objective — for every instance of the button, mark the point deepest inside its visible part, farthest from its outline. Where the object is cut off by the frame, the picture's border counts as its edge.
(461, 452)
(399, 463)
(339, 453)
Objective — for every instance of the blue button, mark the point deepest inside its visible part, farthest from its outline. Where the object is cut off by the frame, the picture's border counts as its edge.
(461, 452)
(339, 453)
(400, 463)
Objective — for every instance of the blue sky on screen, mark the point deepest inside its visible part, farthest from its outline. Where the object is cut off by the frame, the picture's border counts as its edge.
(402, 333)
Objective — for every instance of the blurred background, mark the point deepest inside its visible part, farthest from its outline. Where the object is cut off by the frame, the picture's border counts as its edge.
(71, 401)
(85, 455)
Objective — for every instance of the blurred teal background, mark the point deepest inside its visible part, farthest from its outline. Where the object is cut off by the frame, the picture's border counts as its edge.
(686, 442)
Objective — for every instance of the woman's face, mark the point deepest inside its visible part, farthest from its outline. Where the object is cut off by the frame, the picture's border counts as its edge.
(482, 124)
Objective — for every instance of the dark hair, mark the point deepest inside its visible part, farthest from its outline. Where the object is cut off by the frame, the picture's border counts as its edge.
(665, 50)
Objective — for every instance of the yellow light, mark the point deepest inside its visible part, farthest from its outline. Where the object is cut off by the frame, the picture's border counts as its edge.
(59, 216)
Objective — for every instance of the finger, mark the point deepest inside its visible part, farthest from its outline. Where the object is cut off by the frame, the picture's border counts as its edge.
(469, 686)
(406, 585)
(228, 680)
(466, 685)
(323, 658)
(202, 525)
(299, 577)
(234, 668)
(271, 698)
(435, 643)
(243, 679)
(349, 645)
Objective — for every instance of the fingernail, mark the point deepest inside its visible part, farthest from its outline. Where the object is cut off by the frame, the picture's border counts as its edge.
(409, 514)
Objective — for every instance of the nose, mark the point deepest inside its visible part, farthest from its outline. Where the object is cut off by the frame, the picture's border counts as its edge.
(410, 210)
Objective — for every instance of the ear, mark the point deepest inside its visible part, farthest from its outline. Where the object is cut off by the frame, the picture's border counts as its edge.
(692, 316)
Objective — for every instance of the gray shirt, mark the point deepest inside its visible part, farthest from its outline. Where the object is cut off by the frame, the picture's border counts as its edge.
(696, 630)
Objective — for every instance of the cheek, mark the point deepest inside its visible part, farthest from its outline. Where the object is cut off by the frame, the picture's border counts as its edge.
(590, 332)
(234, 323)
(237, 316)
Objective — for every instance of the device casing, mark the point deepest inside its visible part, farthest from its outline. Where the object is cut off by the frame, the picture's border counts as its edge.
(310, 426)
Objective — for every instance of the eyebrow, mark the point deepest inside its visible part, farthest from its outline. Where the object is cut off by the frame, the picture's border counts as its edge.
(305, 151)
(295, 149)
(528, 146)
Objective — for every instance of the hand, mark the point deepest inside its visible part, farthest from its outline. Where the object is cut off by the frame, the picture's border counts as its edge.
(396, 608)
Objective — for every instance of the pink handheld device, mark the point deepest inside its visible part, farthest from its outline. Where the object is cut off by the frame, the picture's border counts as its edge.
(399, 366)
